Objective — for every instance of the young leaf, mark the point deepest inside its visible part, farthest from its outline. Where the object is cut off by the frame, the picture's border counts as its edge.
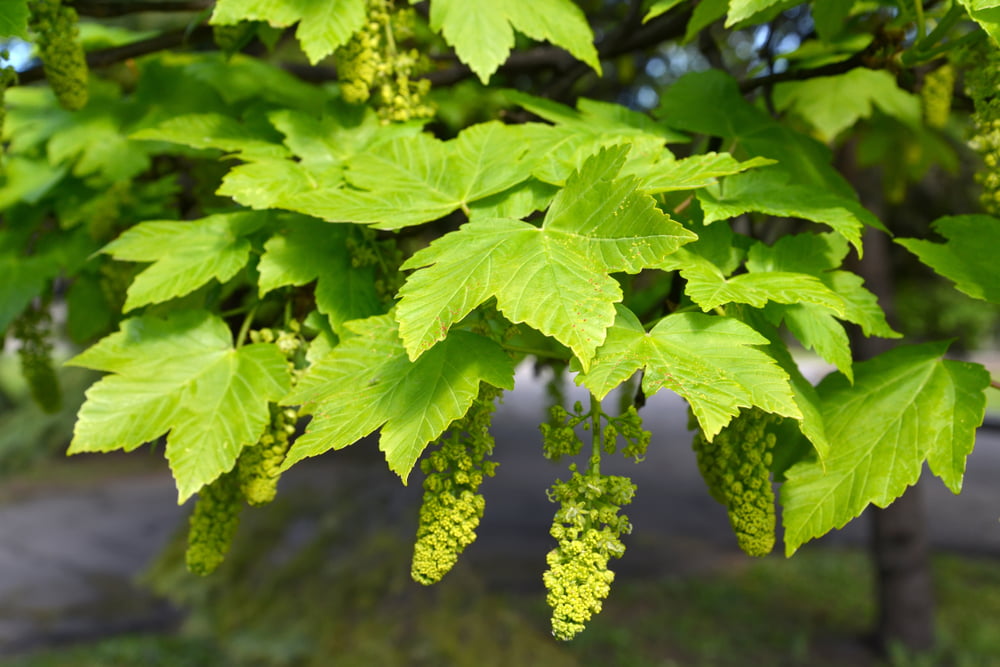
(905, 407)
(831, 104)
(987, 14)
(554, 278)
(185, 255)
(968, 256)
(711, 361)
(323, 26)
(710, 103)
(368, 382)
(179, 375)
(482, 31)
(416, 179)
(214, 130)
(307, 249)
(769, 191)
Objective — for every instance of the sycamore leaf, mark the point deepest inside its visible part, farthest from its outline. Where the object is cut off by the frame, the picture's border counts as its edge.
(831, 104)
(660, 7)
(817, 329)
(185, 254)
(818, 255)
(214, 130)
(710, 361)
(179, 376)
(306, 249)
(482, 31)
(21, 280)
(691, 173)
(14, 19)
(368, 382)
(968, 256)
(905, 407)
(554, 278)
(740, 10)
(323, 26)
(987, 14)
(265, 183)
(768, 191)
(710, 103)
(416, 179)
(710, 288)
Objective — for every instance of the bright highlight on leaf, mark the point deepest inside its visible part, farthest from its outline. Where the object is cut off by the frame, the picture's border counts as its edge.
(555, 278)
(179, 377)
(905, 407)
(482, 31)
(323, 26)
(368, 382)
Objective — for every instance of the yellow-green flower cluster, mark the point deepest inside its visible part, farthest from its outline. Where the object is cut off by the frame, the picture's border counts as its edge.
(936, 95)
(259, 465)
(213, 524)
(982, 82)
(736, 466)
(372, 65)
(61, 51)
(587, 527)
(32, 329)
(452, 505)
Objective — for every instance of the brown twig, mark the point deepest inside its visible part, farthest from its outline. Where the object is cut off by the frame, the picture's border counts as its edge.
(110, 8)
(115, 54)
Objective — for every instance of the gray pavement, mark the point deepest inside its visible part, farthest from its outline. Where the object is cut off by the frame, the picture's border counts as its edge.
(68, 555)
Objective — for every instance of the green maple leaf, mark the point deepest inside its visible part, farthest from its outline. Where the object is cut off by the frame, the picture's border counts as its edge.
(415, 179)
(710, 103)
(213, 247)
(691, 173)
(215, 130)
(968, 256)
(368, 382)
(323, 26)
(482, 31)
(987, 14)
(14, 19)
(305, 250)
(905, 407)
(181, 377)
(769, 191)
(555, 278)
(815, 324)
(831, 104)
(711, 361)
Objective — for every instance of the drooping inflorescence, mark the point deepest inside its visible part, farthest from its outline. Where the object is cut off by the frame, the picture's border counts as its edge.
(982, 83)
(213, 524)
(33, 330)
(936, 95)
(736, 466)
(452, 505)
(588, 525)
(259, 465)
(61, 52)
(373, 65)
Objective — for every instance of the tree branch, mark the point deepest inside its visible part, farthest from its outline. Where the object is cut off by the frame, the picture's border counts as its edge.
(109, 8)
(857, 60)
(105, 57)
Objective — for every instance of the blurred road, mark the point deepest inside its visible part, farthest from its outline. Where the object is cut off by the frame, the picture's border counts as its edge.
(68, 553)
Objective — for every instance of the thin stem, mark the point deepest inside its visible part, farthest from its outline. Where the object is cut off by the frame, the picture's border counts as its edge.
(596, 436)
(245, 327)
(918, 8)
